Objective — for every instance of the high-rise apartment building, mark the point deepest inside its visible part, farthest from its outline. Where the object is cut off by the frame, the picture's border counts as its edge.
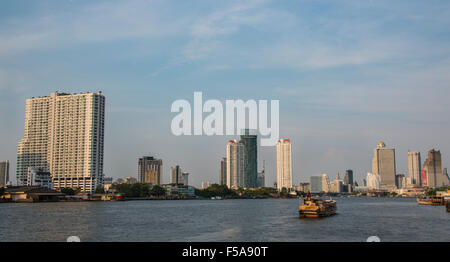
(150, 170)
(223, 171)
(348, 178)
(432, 175)
(4, 173)
(176, 175)
(383, 164)
(235, 164)
(251, 155)
(64, 134)
(284, 164)
(415, 168)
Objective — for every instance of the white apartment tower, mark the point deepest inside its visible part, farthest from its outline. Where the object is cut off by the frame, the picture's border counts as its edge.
(235, 164)
(64, 135)
(284, 164)
(415, 168)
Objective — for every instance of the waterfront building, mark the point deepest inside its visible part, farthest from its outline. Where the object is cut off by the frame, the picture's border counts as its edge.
(64, 135)
(223, 171)
(176, 175)
(179, 191)
(284, 164)
(348, 179)
(150, 170)
(432, 175)
(107, 183)
(37, 176)
(320, 184)
(373, 181)
(304, 187)
(383, 164)
(130, 180)
(415, 168)
(336, 186)
(249, 140)
(235, 164)
(184, 178)
(4, 173)
(206, 184)
(400, 181)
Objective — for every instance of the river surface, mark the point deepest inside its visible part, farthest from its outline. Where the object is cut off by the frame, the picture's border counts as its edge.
(390, 219)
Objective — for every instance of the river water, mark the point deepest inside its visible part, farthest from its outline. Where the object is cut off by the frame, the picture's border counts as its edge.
(390, 219)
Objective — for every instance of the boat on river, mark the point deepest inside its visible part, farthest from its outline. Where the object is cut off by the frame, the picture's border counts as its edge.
(316, 207)
(430, 200)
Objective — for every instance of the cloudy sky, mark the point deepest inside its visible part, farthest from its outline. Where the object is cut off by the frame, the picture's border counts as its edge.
(347, 73)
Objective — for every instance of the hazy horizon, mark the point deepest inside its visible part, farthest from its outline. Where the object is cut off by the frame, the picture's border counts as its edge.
(348, 74)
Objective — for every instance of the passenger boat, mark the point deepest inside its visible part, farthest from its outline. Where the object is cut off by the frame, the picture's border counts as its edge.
(316, 207)
(430, 200)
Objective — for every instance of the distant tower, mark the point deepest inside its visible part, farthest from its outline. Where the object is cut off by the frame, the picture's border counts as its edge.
(348, 178)
(415, 168)
(251, 158)
(223, 171)
(149, 170)
(338, 176)
(235, 164)
(432, 170)
(284, 164)
(4, 173)
(176, 175)
(383, 164)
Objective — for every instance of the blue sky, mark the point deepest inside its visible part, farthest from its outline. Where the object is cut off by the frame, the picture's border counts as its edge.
(347, 74)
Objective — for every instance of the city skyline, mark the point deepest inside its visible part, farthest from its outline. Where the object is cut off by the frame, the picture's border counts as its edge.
(348, 76)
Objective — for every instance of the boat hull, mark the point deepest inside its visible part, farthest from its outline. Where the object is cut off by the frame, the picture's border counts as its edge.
(315, 208)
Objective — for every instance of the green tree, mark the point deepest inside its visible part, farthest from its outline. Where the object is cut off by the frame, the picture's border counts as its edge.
(99, 190)
(157, 191)
(68, 191)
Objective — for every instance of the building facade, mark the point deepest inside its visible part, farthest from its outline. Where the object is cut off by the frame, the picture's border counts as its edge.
(64, 135)
(373, 181)
(223, 171)
(284, 164)
(4, 173)
(235, 164)
(383, 164)
(176, 175)
(348, 178)
(251, 159)
(415, 168)
(432, 175)
(150, 170)
(37, 176)
(320, 184)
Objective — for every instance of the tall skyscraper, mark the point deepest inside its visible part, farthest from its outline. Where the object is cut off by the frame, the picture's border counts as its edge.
(184, 178)
(176, 175)
(348, 178)
(432, 170)
(251, 155)
(4, 173)
(284, 164)
(415, 168)
(150, 170)
(223, 171)
(64, 135)
(235, 164)
(383, 164)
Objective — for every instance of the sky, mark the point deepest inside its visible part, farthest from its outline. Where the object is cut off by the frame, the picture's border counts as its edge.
(348, 74)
